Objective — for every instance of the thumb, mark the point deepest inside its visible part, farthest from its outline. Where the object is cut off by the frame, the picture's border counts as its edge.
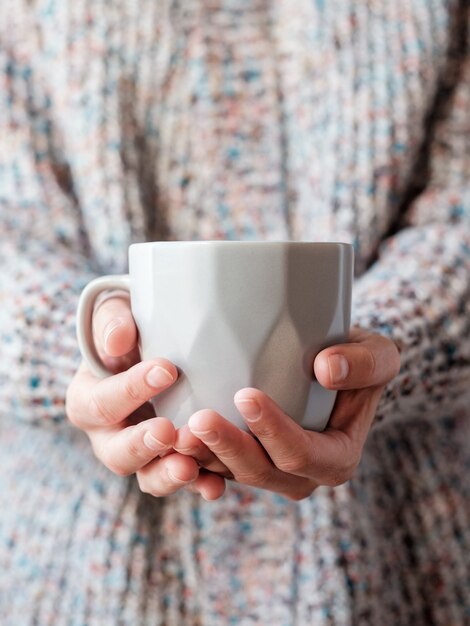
(370, 361)
(115, 333)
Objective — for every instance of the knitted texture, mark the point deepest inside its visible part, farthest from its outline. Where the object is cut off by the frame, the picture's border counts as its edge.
(125, 121)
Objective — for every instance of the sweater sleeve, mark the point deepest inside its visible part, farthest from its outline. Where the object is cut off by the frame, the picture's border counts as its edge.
(418, 290)
(44, 260)
(39, 286)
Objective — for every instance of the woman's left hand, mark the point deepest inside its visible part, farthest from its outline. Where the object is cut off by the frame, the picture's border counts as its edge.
(284, 457)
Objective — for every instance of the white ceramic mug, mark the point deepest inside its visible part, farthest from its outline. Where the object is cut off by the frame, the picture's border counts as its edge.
(233, 314)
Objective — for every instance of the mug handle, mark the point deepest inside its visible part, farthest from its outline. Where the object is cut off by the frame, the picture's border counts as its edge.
(85, 309)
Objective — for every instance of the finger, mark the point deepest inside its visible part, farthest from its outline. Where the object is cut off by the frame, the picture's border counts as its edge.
(327, 458)
(370, 361)
(355, 411)
(114, 329)
(284, 440)
(188, 444)
(242, 454)
(162, 477)
(208, 485)
(127, 450)
(95, 402)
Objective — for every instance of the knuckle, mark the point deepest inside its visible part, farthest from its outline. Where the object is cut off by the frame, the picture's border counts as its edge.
(339, 476)
(337, 479)
(134, 391)
(370, 364)
(99, 409)
(227, 454)
(343, 472)
(331, 478)
(103, 311)
(134, 448)
(254, 479)
(300, 462)
(267, 431)
(352, 462)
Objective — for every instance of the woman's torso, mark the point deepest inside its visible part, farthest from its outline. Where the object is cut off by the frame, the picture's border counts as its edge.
(232, 119)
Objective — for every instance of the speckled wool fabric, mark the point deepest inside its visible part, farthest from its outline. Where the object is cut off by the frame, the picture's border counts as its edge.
(124, 121)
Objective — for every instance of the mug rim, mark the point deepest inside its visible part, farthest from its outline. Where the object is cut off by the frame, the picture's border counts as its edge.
(231, 242)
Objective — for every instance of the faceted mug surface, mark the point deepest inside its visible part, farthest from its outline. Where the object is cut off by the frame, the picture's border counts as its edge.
(235, 314)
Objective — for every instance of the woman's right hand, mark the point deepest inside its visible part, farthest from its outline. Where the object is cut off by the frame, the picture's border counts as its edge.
(116, 415)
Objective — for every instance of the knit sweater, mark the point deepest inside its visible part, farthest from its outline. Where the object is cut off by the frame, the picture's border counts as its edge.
(345, 120)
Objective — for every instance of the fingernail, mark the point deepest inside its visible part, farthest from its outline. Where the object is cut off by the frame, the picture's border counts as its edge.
(110, 328)
(250, 409)
(153, 443)
(159, 377)
(339, 368)
(207, 436)
(187, 451)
